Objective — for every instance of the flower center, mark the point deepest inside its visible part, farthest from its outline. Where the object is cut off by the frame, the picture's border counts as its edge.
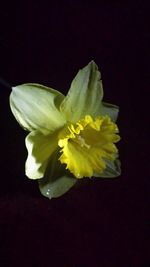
(81, 141)
(86, 144)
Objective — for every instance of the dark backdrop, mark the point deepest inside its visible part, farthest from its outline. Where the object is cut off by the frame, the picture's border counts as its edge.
(102, 223)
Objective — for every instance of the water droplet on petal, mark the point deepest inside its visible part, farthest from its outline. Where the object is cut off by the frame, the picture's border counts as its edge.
(48, 192)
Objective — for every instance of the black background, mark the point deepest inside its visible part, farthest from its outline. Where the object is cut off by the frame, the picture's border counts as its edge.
(102, 223)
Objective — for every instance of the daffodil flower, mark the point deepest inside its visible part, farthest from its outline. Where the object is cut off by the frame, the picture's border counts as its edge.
(70, 137)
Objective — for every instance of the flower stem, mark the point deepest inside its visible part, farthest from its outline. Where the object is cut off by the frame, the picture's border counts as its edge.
(5, 84)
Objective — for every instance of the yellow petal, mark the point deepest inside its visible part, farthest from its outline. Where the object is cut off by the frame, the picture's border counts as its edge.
(87, 143)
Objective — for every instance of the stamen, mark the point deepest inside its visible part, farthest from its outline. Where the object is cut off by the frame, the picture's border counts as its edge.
(82, 142)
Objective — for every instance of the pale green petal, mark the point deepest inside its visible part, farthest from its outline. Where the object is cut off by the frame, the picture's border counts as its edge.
(57, 181)
(110, 110)
(40, 148)
(113, 169)
(36, 107)
(85, 94)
